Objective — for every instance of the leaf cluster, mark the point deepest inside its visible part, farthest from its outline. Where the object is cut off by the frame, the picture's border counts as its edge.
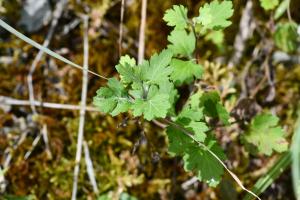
(149, 90)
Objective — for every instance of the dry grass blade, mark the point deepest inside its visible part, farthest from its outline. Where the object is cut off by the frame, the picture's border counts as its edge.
(46, 50)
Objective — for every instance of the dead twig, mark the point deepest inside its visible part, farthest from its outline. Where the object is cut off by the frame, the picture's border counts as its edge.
(80, 136)
(16, 102)
(46, 140)
(56, 15)
(89, 167)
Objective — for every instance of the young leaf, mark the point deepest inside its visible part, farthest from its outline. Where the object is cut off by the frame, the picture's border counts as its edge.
(176, 16)
(215, 15)
(159, 69)
(185, 71)
(280, 10)
(265, 134)
(269, 4)
(166, 87)
(182, 43)
(112, 99)
(199, 129)
(155, 106)
(127, 69)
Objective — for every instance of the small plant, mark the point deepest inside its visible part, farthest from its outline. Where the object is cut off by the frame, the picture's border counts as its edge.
(149, 90)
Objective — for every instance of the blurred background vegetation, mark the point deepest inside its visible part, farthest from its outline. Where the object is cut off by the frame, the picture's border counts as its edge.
(130, 156)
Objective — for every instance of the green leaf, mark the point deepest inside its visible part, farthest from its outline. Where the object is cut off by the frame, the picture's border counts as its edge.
(286, 37)
(13, 197)
(216, 37)
(155, 106)
(265, 134)
(178, 141)
(280, 10)
(126, 196)
(182, 43)
(195, 157)
(215, 15)
(192, 110)
(166, 87)
(185, 71)
(194, 100)
(213, 108)
(112, 99)
(176, 16)
(128, 70)
(199, 129)
(205, 165)
(277, 169)
(159, 69)
(195, 114)
(269, 4)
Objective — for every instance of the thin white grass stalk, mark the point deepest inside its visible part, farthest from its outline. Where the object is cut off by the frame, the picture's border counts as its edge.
(246, 28)
(17, 102)
(89, 167)
(80, 136)
(141, 50)
(56, 15)
(121, 26)
(8, 152)
(237, 180)
(185, 185)
(46, 50)
(46, 140)
(34, 143)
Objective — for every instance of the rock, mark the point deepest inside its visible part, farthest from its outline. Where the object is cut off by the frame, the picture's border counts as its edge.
(35, 14)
